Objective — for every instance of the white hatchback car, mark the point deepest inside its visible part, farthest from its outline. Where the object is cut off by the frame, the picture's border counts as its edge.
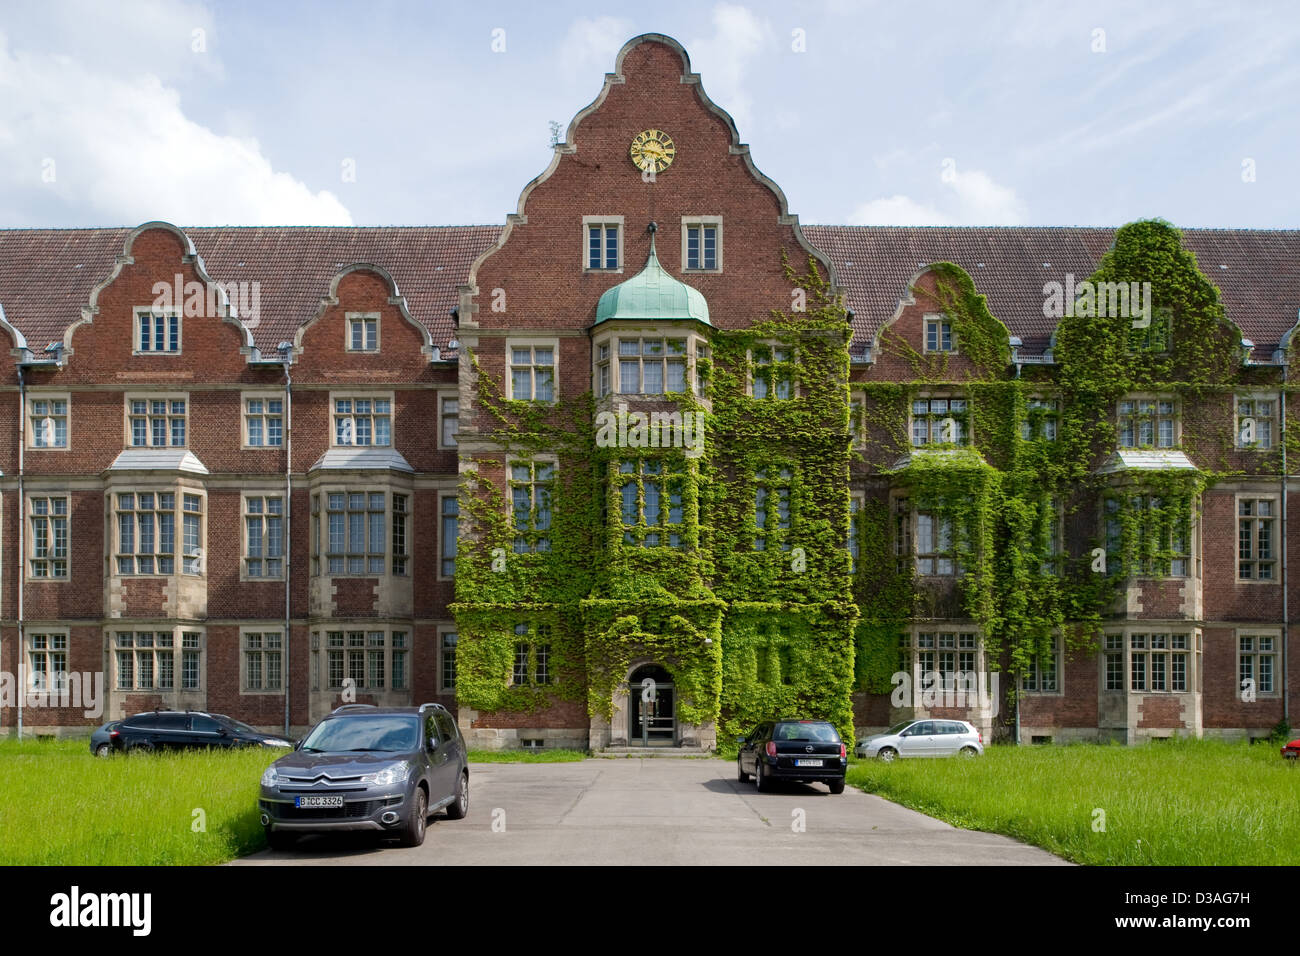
(924, 738)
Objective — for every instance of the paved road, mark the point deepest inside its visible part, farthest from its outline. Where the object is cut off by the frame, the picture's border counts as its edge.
(665, 811)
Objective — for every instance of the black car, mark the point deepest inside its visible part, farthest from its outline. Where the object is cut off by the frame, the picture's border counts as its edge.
(184, 730)
(805, 751)
(383, 769)
(101, 741)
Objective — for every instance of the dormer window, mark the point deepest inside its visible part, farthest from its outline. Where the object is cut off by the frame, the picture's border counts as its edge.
(157, 333)
(938, 334)
(363, 333)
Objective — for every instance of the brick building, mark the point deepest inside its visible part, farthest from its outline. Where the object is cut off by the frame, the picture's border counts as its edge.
(239, 461)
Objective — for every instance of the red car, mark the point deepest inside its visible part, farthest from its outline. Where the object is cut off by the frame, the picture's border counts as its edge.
(1292, 750)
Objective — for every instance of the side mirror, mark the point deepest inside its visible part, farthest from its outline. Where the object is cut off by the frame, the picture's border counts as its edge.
(741, 740)
(906, 733)
(432, 743)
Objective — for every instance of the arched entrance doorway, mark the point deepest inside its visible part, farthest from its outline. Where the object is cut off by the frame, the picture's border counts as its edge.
(652, 707)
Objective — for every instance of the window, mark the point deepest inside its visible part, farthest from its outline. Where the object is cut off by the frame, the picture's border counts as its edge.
(603, 246)
(604, 381)
(1153, 338)
(49, 524)
(651, 366)
(354, 540)
(1158, 662)
(857, 433)
(1041, 675)
(532, 662)
(702, 244)
(532, 372)
(448, 668)
(146, 660)
(935, 554)
(146, 532)
(192, 534)
(157, 332)
(48, 422)
(1050, 519)
(1255, 423)
(941, 660)
(531, 488)
(370, 660)
(1042, 419)
(772, 371)
(650, 502)
(772, 506)
(854, 544)
(1114, 661)
(156, 422)
(1157, 543)
(264, 422)
(363, 421)
(1147, 423)
(47, 661)
(399, 534)
(938, 421)
(264, 536)
(938, 335)
(1255, 553)
(262, 660)
(449, 420)
(1257, 663)
(363, 333)
(450, 531)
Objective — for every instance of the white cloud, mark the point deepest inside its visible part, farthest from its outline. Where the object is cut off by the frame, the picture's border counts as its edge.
(970, 198)
(724, 58)
(124, 152)
(592, 44)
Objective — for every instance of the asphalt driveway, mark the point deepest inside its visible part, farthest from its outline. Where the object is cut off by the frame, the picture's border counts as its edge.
(665, 811)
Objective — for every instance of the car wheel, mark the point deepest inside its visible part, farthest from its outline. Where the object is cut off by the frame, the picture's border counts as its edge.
(837, 786)
(740, 773)
(279, 839)
(413, 832)
(968, 752)
(760, 781)
(887, 754)
(457, 809)
(141, 747)
(104, 750)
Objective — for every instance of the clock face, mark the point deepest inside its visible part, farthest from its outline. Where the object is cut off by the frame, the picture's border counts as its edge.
(653, 151)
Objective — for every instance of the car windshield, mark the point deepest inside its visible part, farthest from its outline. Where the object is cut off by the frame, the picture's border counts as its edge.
(239, 725)
(820, 732)
(899, 728)
(388, 734)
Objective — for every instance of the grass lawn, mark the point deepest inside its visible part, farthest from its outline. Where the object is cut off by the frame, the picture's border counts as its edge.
(1182, 802)
(524, 756)
(60, 805)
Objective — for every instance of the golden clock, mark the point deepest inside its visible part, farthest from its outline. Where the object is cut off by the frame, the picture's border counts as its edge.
(653, 151)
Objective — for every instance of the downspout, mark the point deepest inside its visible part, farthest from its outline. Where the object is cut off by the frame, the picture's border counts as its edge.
(20, 566)
(286, 353)
(1286, 616)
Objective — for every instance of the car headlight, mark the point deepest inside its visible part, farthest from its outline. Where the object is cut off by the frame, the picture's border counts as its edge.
(390, 775)
(275, 742)
(270, 778)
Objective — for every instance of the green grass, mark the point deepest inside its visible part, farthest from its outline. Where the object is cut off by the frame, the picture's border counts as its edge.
(60, 805)
(558, 755)
(1176, 803)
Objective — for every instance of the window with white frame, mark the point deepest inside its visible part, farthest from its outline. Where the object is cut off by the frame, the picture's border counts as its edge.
(264, 536)
(263, 421)
(772, 371)
(47, 417)
(702, 244)
(450, 532)
(935, 549)
(772, 507)
(650, 502)
(48, 517)
(532, 486)
(192, 533)
(147, 660)
(363, 420)
(1113, 661)
(448, 421)
(1257, 664)
(447, 660)
(938, 334)
(604, 371)
(354, 538)
(939, 421)
(651, 366)
(47, 660)
(263, 660)
(1148, 423)
(146, 532)
(156, 422)
(363, 333)
(1256, 556)
(532, 372)
(1041, 674)
(1159, 662)
(603, 243)
(532, 663)
(157, 333)
(1042, 419)
(372, 660)
(1256, 420)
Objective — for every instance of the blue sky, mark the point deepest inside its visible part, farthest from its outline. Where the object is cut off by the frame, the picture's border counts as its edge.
(961, 113)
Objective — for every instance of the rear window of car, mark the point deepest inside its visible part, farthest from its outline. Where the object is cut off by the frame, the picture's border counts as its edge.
(814, 731)
(142, 722)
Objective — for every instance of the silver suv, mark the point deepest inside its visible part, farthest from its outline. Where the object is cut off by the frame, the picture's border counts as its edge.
(368, 768)
(924, 738)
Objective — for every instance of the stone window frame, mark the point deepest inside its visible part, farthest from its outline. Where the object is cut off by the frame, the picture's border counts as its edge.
(180, 491)
(702, 221)
(31, 427)
(263, 395)
(349, 318)
(1118, 641)
(1274, 498)
(443, 631)
(538, 648)
(150, 397)
(697, 348)
(605, 222)
(1274, 419)
(965, 429)
(857, 419)
(244, 515)
(363, 394)
(179, 634)
(30, 557)
(443, 396)
(1136, 398)
(938, 319)
(245, 630)
(857, 505)
(137, 339)
(791, 364)
(322, 647)
(1058, 663)
(443, 557)
(1123, 496)
(1254, 633)
(912, 645)
(532, 343)
(532, 536)
(1051, 406)
(49, 650)
(319, 510)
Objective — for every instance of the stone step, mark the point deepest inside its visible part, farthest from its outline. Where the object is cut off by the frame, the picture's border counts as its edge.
(677, 752)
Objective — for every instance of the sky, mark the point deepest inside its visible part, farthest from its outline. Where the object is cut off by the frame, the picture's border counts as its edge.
(978, 112)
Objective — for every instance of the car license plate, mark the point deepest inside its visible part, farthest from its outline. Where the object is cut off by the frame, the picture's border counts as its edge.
(807, 763)
(327, 801)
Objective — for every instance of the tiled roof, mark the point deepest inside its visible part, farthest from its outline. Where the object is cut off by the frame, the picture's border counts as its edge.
(46, 274)
(1149, 460)
(158, 459)
(1257, 271)
(363, 458)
